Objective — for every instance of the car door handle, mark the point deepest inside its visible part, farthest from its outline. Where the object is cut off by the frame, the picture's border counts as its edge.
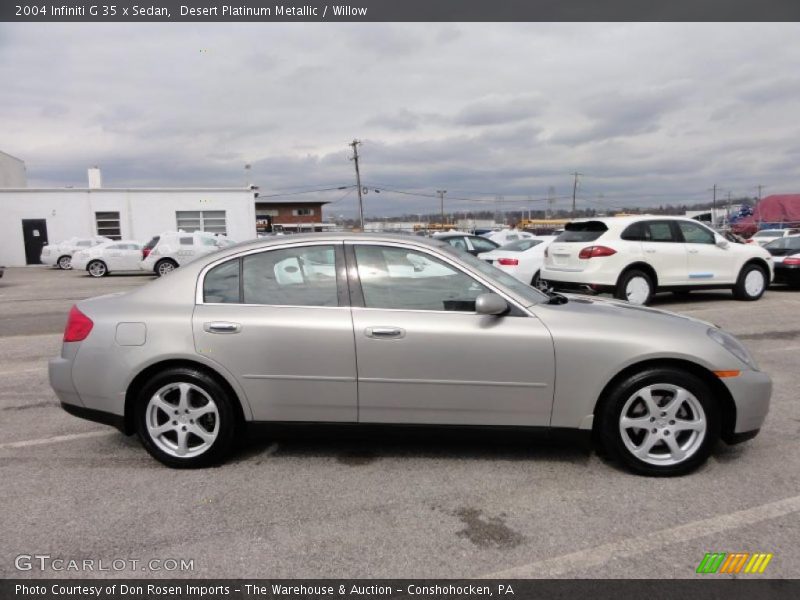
(385, 333)
(650, 250)
(222, 327)
(693, 251)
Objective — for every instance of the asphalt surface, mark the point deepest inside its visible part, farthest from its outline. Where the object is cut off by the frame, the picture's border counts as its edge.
(426, 504)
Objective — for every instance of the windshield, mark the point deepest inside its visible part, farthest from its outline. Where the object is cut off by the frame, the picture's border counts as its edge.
(530, 294)
(520, 246)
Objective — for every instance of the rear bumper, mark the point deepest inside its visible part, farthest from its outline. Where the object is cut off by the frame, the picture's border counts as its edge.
(787, 274)
(97, 416)
(572, 279)
(60, 373)
(751, 392)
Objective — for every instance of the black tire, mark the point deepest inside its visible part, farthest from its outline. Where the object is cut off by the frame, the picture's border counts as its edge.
(682, 293)
(161, 266)
(228, 418)
(610, 438)
(97, 268)
(535, 280)
(622, 285)
(64, 262)
(740, 291)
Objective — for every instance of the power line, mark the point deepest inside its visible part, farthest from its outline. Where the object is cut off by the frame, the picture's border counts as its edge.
(342, 187)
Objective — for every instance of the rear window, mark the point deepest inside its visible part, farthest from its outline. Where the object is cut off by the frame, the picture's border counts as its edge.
(152, 243)
(582, 231)
(521, 245)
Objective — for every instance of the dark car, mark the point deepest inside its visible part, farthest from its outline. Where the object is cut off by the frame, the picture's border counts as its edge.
(474, 244)
(786, 258)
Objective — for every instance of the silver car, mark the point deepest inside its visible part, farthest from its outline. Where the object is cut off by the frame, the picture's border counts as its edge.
(376, 329)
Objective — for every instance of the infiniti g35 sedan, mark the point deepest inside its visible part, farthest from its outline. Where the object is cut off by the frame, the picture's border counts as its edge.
(375, 329)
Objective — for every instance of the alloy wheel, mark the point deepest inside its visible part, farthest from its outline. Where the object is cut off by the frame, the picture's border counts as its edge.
(637, 290)
(65, 262)
(182, 420)
(754, 283)
(165, 267)
(97, 269)
(663, 424)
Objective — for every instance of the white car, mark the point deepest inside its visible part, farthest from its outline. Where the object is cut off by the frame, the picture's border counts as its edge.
(634, 257)
(168, 251)
(506, 236)
(60, 254)
(765, 236)
(110, 257)
(522, 259)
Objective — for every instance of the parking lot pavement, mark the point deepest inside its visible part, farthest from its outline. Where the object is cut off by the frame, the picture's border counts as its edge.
(420, 504)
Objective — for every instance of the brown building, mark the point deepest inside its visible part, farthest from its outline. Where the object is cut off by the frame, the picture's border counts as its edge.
(296, 215)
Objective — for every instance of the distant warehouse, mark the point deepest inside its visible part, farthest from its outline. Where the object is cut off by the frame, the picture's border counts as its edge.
(32, 217)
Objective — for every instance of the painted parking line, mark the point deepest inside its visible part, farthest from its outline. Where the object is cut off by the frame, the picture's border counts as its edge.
(56, 439)
(635, 546)
(19, 371)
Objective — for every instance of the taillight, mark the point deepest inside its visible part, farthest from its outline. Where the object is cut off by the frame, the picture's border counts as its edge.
(145, 252)
(508, 262)
(79, 326)
(792, 260)
(595, 251)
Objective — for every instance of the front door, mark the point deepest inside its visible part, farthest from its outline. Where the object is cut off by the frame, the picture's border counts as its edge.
(706, 262)
(278, 320)
(424, 354)
(34, 235)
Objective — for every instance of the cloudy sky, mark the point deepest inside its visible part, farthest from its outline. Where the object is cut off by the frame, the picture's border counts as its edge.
(649, 113)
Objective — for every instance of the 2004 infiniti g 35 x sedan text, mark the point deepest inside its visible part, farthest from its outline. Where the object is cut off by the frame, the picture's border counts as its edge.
(356, 328)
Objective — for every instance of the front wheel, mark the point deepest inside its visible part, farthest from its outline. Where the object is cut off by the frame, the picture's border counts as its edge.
(659, 422)
(165, 266)
(97, 268)
(751, 284)
(185, 419)
(635, 287)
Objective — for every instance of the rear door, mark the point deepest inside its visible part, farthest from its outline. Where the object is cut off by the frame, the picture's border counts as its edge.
(665, 251)
(131, 257)
(278, 320)
(424, 354)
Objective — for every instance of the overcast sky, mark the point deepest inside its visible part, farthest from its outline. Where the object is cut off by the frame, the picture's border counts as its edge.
(650, 113)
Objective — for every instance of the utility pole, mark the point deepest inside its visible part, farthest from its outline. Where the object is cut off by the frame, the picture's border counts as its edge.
(551, 192)
(355, 144)
(441, 204)
(574, 190)
(758, 201)
(714, 207)
(728, 212)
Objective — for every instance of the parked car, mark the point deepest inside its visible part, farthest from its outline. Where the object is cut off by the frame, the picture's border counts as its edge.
(474, 244)
(785, 253)
(522, 259)
(111, 257)
(506, 236)
(765, 236)
(439, 336)
(634, 257)
(172, 249)
(60, 254)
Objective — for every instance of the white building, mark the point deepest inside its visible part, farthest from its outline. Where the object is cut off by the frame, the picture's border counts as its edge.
(12, 172)
(31, 217)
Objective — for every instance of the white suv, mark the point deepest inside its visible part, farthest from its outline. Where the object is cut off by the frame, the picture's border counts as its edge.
(166, 252)
(635, 257)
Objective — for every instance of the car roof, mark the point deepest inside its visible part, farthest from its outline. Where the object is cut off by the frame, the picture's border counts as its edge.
(335, 236)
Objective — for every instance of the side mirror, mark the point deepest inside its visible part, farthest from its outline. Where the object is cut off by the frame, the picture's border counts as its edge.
(722, 242)
(490, 304)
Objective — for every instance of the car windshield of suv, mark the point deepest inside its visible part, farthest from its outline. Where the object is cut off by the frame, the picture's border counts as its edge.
(582, 231)
(527, 292)
(520, 246)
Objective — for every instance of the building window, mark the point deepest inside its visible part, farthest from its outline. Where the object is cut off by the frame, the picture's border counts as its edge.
(108, 225)
(201, 220)
(302, 212)
(267, 212)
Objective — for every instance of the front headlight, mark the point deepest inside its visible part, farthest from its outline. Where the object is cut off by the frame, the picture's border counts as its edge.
(734, 346)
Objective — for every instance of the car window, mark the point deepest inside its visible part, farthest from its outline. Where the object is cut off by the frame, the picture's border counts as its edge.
(510, 237)
(152, 243)
(84, 244)
(457, 243)
(208, 241)
(482, 245)
(659, 231)
(582, 231)
(791, 243)
(767, 233)
(300, 276)
(222, 283)
(695, 234)
(116, 247)
(635, 232)
(521, 245)
(186, 241)
(407, 279)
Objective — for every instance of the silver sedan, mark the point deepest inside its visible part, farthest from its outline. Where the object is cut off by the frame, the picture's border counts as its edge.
(371, 329)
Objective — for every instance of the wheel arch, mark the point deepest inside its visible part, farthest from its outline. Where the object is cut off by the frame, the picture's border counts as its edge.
(640, 266)
(721, 393)
(141, 378)
(759, 262)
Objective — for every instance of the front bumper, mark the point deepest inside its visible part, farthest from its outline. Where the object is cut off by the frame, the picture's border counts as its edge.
(751, 392)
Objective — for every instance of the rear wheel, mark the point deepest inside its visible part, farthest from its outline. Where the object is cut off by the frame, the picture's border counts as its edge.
(634, 286)
(751, 284)
(186, 419)
(97, 268)
(64, 262)
(659, 422)
(165, 266)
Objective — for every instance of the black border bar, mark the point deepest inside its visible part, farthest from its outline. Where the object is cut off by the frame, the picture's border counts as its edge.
(139, 11)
